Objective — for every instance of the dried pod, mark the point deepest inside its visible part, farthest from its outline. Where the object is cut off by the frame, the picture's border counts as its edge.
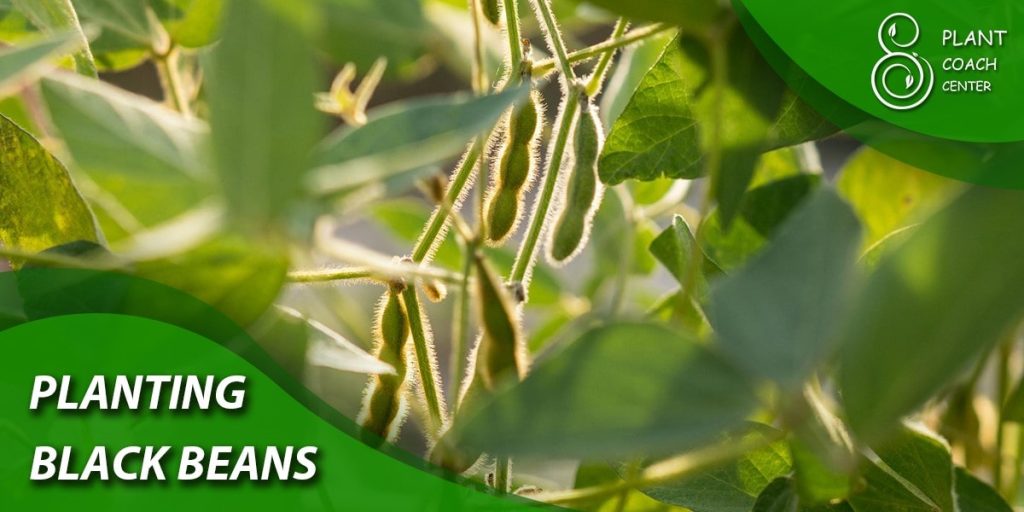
(583, 189)
(384, 404)
(515, 168)
(435, 290)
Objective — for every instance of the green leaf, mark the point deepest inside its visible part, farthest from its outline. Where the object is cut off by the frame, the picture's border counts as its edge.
(976, 496)
(39, 206)
(733, 487)
(888, 194)
(361, 31)
(668, 127)
(126, 17)
(237, 277)
(777, 317)
(22, 63)
(765, 207)
(620, 390)
(153, 162)
(592, 474)
(191, 23)
(934, 304)
(261, 81)
(674, 248)
(403, 137)
(781, 496)
(55, 16)
(685, 13)
(913, 471)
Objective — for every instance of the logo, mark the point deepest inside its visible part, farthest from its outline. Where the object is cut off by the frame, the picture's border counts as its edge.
(901, 80)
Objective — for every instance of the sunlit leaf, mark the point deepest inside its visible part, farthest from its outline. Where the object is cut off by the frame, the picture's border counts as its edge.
(39, 204)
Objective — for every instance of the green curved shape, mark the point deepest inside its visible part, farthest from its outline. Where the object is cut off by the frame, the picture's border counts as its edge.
(967, 158)
(84, 323)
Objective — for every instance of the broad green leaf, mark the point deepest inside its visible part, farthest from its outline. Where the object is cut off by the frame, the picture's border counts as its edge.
(675, 247)
(55, 16)
(592, 474)
(110, 131)
(733, 487)
(686, 13)
(777, 317)
(781, 496)
(261, 78)
(934, 304)
(873, 254)
(237, 277)
(114, 51)
(39, 204)
(888, 194)
(154, 163)
(669, 126)
(973, 495)
(913, 471)
(126, 17)
(620, 390)
(360, 31)
(403, 137)
(763, 210)
(26, 62)
(823, 451)
(635, 62)
(190, 23)
(612, 257)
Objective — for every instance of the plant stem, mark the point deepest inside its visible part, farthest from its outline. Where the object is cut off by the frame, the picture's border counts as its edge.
(439, 218)
(554, 36)
(515, 45)
(424, 361)
(543, 67)
(1002, 390)
(326, 275)
(525, 256)
(460, 325)
(170, 79)
(502, 475)
(662, 472)
(479, 74)
(601, 69)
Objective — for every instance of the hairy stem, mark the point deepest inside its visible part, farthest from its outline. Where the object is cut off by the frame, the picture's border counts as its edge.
(515, 45)
(503, 475)
(546, 16)
(543, 67)
(601, 69)
(431, 390)
(439, 218)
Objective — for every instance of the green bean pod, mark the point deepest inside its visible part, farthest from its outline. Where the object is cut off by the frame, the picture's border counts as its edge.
(583, 189)
(515, 168)
(384, 404)
(500, 352)
(492, 11)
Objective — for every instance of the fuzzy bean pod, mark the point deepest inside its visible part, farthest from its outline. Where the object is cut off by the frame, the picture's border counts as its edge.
(384, 404)
(583, 189)
(515, 168)
(500, 353)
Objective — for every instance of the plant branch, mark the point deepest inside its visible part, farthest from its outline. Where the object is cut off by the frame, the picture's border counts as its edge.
(424, 361)
(439, 218)
(546, 16)
(661, 472)
(601, 69)
(543, 67)
(515, 44)
(170, 79)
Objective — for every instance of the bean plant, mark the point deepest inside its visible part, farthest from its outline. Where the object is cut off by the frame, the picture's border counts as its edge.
(612, 274)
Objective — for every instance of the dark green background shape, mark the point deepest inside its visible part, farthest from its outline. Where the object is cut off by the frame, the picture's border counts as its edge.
(83, 323)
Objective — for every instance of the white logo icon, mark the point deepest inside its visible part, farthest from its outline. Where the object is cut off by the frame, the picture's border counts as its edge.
(919, 79)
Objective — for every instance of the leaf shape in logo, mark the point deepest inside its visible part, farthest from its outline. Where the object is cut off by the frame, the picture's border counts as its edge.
(892, 31)
(910, 81)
